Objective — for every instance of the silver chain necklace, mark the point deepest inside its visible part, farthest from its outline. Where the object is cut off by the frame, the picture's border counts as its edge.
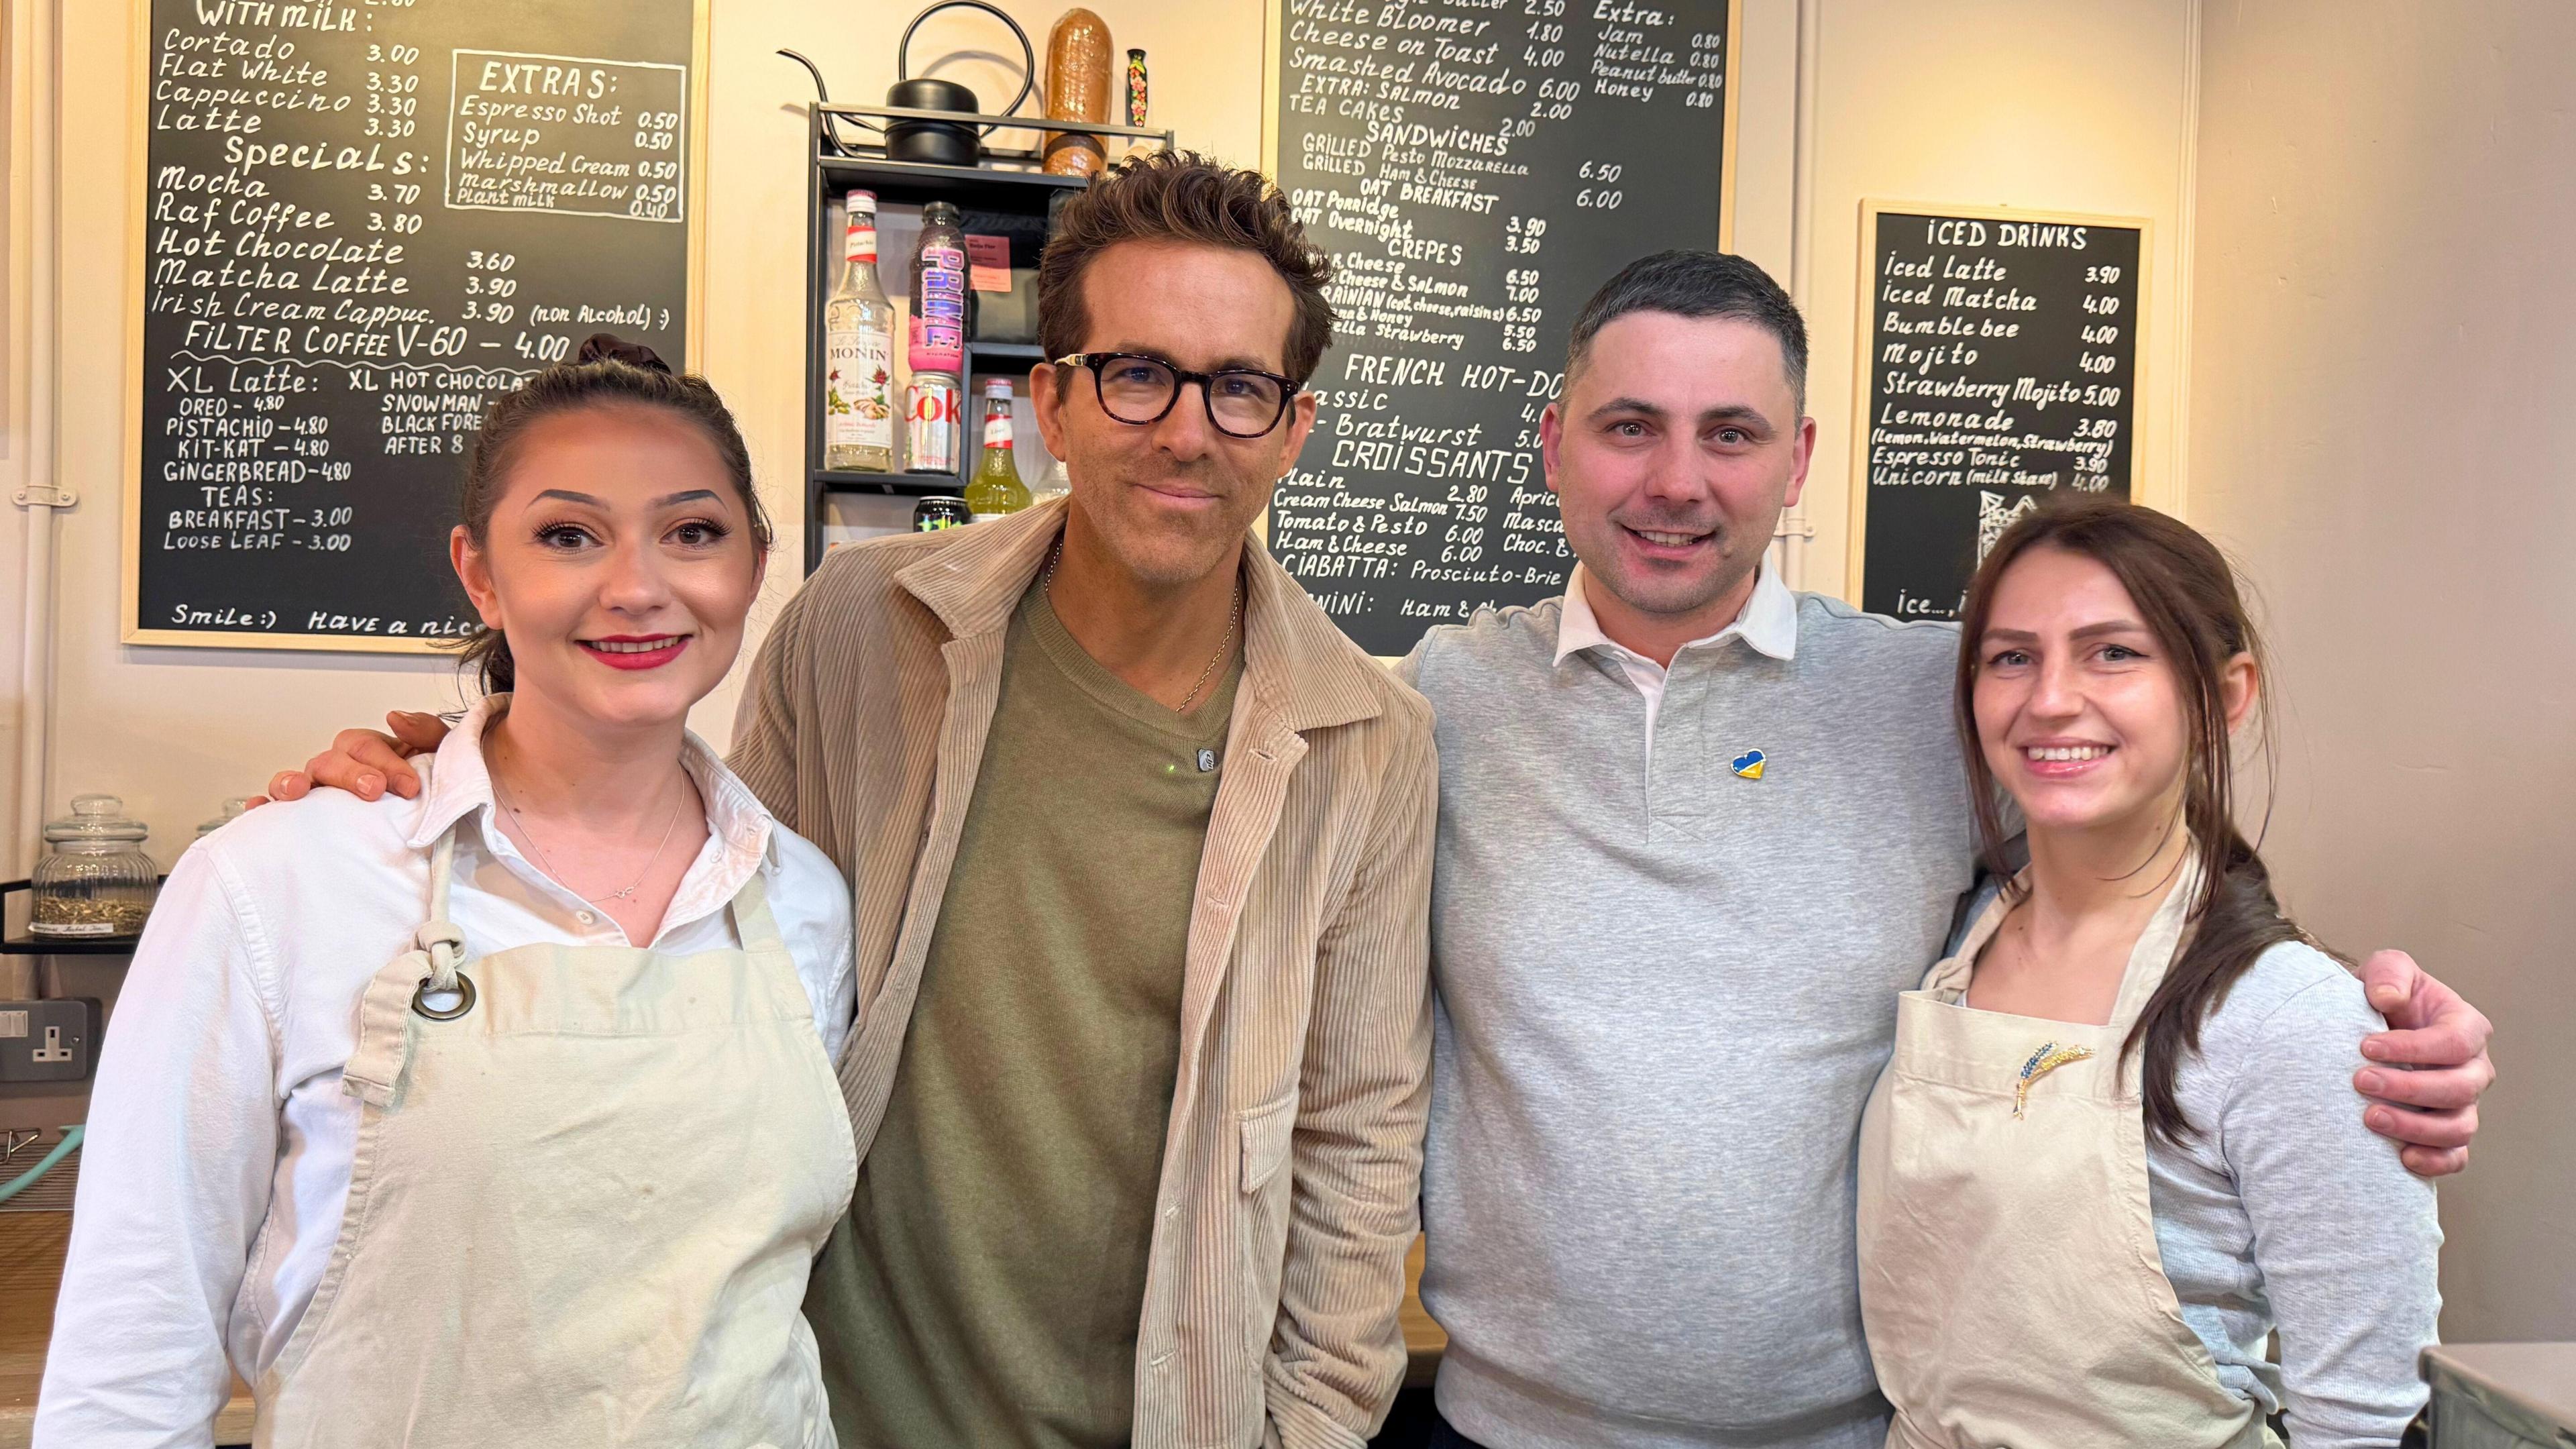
(1224, 646)
(626, 894)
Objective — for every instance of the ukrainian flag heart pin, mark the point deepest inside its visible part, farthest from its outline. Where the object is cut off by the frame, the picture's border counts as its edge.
(1748, 764)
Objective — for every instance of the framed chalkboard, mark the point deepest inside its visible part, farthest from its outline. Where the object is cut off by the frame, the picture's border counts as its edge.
(1477, 173)
(1999, 360)
(359, 222)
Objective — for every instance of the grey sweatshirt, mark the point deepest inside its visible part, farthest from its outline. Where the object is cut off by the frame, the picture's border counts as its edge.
(2288, 1212)
(1665, 990)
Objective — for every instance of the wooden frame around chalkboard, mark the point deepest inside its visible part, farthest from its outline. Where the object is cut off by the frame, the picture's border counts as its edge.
(1865, 346)
(1270, 59)
(138, 174)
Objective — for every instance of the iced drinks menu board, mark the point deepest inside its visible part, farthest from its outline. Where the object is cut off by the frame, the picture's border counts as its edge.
(1476, 171)
(360, 223)
(1998, 364)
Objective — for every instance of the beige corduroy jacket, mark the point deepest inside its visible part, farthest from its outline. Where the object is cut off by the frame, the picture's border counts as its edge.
(1292, 1162)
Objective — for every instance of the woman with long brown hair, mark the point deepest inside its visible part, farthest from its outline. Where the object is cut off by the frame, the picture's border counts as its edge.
(2115, 1150)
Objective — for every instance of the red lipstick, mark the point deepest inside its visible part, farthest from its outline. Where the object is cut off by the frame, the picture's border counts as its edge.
(636, 651)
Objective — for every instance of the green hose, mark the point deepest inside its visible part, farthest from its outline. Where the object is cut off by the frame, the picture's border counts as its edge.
(29, 1178)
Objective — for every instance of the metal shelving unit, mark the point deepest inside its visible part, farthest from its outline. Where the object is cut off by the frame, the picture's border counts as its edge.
(1010, 195)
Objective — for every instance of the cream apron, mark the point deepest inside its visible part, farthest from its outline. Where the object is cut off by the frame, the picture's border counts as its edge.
(2010, 1283)
(588, 1184)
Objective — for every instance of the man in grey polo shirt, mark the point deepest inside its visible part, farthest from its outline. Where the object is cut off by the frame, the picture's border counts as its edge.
(1696, 832)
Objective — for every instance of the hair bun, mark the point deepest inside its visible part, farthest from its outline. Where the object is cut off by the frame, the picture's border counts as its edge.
(609, 347)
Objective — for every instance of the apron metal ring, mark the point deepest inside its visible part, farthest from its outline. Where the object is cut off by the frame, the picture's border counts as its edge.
(464, 994)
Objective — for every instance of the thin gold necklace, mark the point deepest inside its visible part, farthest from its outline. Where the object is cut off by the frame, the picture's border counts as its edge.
(626, 894)
(1224, 646)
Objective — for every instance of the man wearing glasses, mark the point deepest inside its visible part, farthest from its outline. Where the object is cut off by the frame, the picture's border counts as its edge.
(1141, 850)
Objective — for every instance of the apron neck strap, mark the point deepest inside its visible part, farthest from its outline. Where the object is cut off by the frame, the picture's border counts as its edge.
(2157, 946)
(1950, 974)
(751, 918)
(438, 935)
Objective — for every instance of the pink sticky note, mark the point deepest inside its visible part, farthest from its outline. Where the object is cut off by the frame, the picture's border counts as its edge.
(988, 259)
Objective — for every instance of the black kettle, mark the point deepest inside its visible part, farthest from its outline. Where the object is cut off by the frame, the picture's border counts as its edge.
(946, 143)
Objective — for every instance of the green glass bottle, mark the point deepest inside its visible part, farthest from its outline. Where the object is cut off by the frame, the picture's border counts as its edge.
(996, 489)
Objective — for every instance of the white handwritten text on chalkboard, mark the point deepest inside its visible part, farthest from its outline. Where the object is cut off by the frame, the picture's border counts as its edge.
(361, 225)
(1475, 176)
(2000, 364)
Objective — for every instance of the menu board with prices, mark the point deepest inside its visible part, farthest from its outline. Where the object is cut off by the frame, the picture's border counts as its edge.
(1998, 363)
(361, 222)
(1477, 169)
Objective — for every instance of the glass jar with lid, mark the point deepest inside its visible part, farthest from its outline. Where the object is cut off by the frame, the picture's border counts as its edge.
(94, 879)
(234, 807)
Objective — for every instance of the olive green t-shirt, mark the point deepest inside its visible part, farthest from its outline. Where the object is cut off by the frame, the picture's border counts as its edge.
(999, 1235)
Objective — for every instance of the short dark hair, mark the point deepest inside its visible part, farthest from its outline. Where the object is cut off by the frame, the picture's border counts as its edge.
(1696, 284)
(1181, 196)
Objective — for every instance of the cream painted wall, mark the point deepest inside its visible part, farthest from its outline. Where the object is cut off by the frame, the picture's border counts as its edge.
(2381, 373)
(2061, 105)
(175, 730)
(13, 420)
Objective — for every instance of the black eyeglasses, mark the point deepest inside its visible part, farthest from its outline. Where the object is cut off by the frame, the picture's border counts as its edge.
(1241, 402)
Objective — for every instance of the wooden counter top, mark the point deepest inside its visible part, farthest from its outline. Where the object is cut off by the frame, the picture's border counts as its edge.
(31, 1267)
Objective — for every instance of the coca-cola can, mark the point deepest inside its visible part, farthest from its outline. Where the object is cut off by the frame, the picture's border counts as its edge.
(930, 435)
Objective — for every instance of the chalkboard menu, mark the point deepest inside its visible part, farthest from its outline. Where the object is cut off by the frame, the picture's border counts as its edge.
(1477, 171)
(1998, 362)
(361, 221)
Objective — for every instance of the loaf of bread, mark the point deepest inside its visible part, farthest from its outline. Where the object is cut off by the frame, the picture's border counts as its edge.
(1079, 72)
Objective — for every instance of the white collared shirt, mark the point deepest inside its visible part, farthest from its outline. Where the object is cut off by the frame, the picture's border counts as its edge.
(1768, 623)
(219, 1142)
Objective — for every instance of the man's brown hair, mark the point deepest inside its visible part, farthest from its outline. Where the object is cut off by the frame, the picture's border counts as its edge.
(1181, 196)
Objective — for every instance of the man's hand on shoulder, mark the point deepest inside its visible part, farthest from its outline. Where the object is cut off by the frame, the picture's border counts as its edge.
(2428, 1069)
(366, 763)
